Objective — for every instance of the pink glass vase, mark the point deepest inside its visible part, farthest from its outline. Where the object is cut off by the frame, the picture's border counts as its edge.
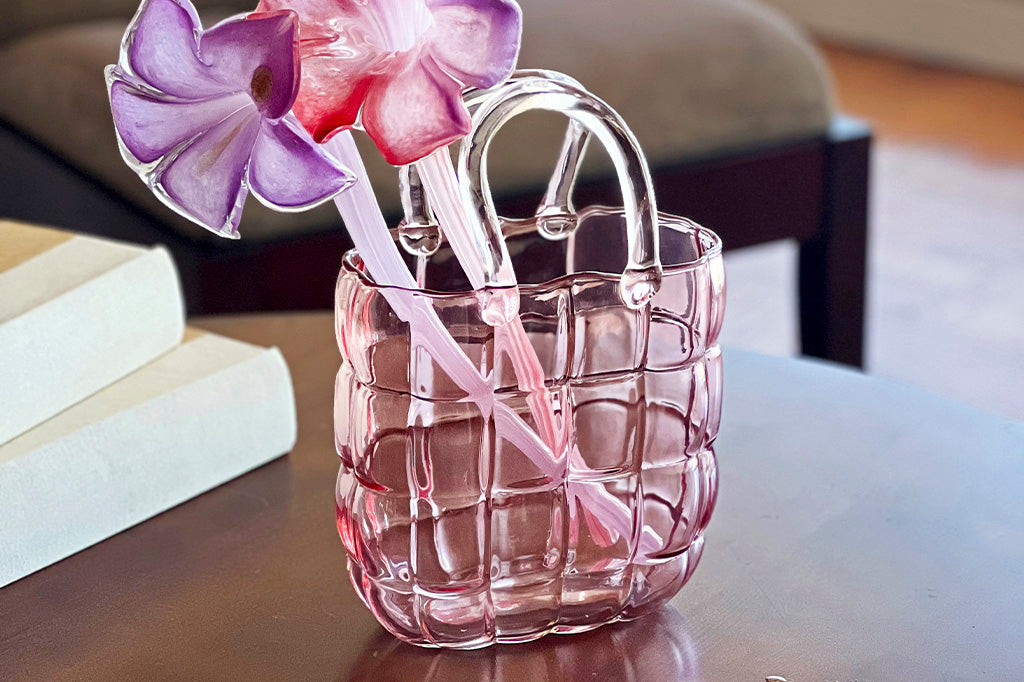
(456, 538)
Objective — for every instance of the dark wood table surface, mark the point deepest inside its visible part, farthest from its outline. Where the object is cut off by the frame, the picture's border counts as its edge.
(864, 531)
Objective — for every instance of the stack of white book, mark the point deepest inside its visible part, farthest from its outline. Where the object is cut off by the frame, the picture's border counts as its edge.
(111, 410)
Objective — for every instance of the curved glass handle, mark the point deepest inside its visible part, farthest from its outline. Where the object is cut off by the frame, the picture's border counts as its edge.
(474, 97)
(556, 216)
(419, 233)
(642, 276)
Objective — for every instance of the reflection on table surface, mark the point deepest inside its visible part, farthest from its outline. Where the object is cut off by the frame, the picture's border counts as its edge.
(655, 647)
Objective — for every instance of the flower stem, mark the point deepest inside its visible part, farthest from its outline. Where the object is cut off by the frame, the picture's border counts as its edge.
(484, 264)
(367, 228)
(477, 253)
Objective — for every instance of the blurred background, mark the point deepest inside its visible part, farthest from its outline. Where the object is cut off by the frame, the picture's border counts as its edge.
(942, 84)
(863, 161)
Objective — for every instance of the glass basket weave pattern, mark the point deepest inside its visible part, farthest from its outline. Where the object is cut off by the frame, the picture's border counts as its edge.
(455, 538)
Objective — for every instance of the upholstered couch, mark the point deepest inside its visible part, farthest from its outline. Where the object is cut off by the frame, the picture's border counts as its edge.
(732, 105)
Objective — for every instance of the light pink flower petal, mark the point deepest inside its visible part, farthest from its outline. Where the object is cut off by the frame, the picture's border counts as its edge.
(476, 41)
(150, 126)
(162, 50)
(414, 111)
(204, 181)
(258, 54)
(290, 171)
(339, 59)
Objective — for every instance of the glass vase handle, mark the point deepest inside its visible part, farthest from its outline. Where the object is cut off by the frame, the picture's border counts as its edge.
(554, 92)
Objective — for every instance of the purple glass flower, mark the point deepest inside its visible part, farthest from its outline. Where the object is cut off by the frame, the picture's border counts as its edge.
(399, 66)
(203, 117)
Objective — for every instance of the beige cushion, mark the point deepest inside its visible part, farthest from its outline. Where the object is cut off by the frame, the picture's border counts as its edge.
(23, 16)
(691, 77)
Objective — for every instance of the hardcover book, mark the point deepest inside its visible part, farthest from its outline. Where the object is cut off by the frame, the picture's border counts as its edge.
(77, 313)
(206, 412)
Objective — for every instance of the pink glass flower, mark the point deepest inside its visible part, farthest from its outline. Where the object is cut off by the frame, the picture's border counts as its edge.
(399, 66)
(203, 117)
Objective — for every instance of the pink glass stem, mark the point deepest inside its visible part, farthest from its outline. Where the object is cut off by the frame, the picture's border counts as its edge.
(363, 219)
(368, 230)
(486, 261)
(482, 254)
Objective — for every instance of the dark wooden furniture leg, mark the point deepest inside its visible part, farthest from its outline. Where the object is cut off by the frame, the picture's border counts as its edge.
(833, 263)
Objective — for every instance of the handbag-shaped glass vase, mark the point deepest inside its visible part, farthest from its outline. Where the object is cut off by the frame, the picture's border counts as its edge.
(457, 534)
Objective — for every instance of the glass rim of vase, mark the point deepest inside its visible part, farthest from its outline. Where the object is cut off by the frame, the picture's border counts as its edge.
(709, 244)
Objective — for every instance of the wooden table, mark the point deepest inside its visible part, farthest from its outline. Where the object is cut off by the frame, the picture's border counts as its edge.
(865, 531)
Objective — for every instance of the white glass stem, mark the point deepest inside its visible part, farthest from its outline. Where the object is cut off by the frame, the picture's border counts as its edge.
(368, 230)
(366, 226)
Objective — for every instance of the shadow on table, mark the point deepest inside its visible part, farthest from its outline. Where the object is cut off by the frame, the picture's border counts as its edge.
(657, 647)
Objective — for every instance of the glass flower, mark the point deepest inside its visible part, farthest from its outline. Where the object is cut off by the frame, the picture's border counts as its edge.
(203, 117)
(398, 66)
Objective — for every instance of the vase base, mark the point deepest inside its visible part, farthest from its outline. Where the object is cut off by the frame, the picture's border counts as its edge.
(415, 619)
